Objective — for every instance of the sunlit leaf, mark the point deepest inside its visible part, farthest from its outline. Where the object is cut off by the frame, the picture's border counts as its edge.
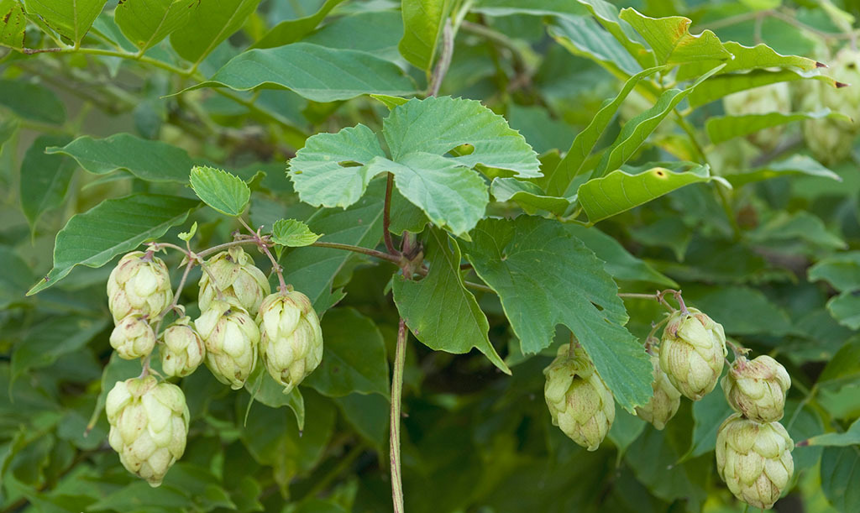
(224, 192)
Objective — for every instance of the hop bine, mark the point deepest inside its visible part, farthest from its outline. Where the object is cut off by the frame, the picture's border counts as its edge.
(236, 277)
(291, 341)
(579, 401)
(148, 426)
(692, 352)
(183, 350)
(231, 338)
(754, 459)
(757, 388)
(665, 401)
(140, 283)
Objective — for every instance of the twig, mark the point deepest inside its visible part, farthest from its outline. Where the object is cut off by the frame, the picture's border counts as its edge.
(396, 393)
(386, 216)
(444, 63)
(264, 247)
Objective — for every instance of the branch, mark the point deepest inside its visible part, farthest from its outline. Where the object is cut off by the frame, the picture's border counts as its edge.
(394, 439)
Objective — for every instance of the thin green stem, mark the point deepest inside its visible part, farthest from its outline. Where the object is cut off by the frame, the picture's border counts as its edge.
(358, 249)
(386, 216)
(396, 393)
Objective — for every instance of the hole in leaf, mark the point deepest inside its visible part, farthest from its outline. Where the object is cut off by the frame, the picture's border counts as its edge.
(349, 163)
(463, 149)
(660, 173)
(599, 308)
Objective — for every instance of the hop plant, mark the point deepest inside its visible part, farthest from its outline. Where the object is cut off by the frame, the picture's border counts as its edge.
(692, 352)
(237, 277)
(754, 459)
(761, 100)
(665, 401)
(183, 349)
(757, 388)
(148, 426)
(579, 401)
(231, 338)
(291, 341)
(140, 283)
(132, 337)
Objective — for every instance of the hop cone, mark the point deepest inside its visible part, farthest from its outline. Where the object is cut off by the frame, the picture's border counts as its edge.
(578, 399)
(231, 337)
(132, 337)
(692, 353)
(291, 341)
(138, 284)
(237, 277)
(761, 100)
(183, 349)
(665, 401)
(148, 426)
(757, 388)
(754, 459)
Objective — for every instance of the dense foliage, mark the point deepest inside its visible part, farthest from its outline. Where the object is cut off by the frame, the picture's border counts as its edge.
(429, 256)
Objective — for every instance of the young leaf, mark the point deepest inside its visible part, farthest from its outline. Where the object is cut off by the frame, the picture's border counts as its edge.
(212, 22)
(794, 165)
(70, 19)
(607, 15)
(439, 310)
(44, 178)
(671, 41)
(290, 31)
(293, 234)
(13, 23)
(187, 236)
(113, 227)
(146, 22)
(153, 161)
(620, 190)
(354, 358)
(32, 101)
(313, 72)
(545, 277)
(527, 195)
(746, 58)
(724, 128)
(224, 192)
(423, 22)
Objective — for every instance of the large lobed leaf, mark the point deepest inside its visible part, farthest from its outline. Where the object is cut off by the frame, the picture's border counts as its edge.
(545, 277)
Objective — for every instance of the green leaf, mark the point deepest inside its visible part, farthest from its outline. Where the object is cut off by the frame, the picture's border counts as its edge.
(213, 22)
(557, 181)
(792, 166)
(840, 477)
(15, 277)
(841, 270)
(44, 178)
(264, 389)
(850, 437)
(132, 496)
(723, 85)
(637, 130)
(293, 234)
(541, 8)
(607, 15)
(354, 359)
(112, 228)
(225, 192)
(320, 506)
(438, 309)
(844, 366)
(800, 225)
(423, 23)
(71, 20)
(583, 36)
(146, 22)
(724, 128)
(325, 173)
(619, 191)
(625, 430)
(46, 342)
(845, 308)
(153, 161)
(743, 311)
(747, 58)
(527, 195)
(708, 414)
(545, 277)
(671, 41)
(32, 101)
(313, 270)
(13, 23)
(368, 415)
(405, 216)
(389, 101)
(290, 31)
(313, 72)
(187, 236)
(373, 32)
(619, 263)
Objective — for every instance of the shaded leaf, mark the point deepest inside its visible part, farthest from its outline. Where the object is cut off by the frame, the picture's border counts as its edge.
(840, 477)
(225, 192)
(71, 20)
(841, 270)
(290, 31)
(146, 22)
(792, 166)
(671, 41)
(48, 341)
(730, 83)
(15, 277)
(213, 22)
(845, 308)
(44, 178)
(743, 311)
(724, 128)
(264, 389)
(369, 415)
(527, 195)
(607, 15)
(423, 22)
(583, 36)
(32, 101)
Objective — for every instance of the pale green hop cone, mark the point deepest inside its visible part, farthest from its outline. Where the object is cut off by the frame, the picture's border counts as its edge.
(291, 341)
(754, 459)
(148, 426)
(692, 353)
(757, 388)
(138, 284)
(761, 100)
(183, 350)
(132, 337)
(237, 277)
(665, 401)
(231, 338)
(580, 403)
